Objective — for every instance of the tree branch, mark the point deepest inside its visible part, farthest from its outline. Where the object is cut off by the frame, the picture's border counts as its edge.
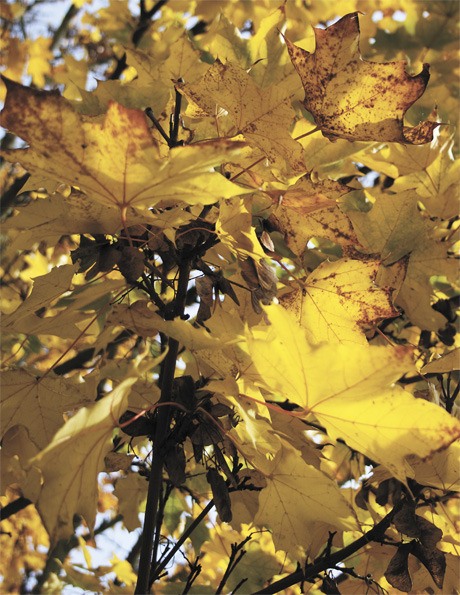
(144, 20)
(163, 422)
(323, 563)
(13, 507)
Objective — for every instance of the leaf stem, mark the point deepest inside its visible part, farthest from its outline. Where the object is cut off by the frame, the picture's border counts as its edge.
(149, 113)
(307, 133)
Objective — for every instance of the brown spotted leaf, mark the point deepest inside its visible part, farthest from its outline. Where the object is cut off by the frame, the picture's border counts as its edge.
(263, 116)
(114, 158)
(339, 301)
(355, 99)
(311, 209)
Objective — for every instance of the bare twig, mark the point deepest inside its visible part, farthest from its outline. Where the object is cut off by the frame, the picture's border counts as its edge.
(185, 535)
(235, 557)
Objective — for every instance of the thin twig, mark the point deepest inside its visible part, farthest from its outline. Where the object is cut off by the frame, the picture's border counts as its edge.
(58, 34)
(149, 113)
(185, 535)
(174, 132)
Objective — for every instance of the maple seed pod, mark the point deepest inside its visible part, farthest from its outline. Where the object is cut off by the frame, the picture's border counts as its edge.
(131, 264)
(175, 465)
(108, 257)
(220, 494)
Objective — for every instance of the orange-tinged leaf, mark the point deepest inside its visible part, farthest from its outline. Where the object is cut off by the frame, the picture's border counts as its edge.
(355, 99)
(114, 159)
(310, 209)
(339, 301)
(71, 461)
(293, 485)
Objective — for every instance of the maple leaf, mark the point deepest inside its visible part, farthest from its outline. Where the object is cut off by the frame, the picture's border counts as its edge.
(292, 484)
(263, 116)
(394, 226)
(437, 183)
(358, 402)
(45, 290)
(56, 215)
(339, 300)
(80, 151)
(312, 209)
(36, 403)
(355, 99)
(147, 323)
(415, 297)
(132, 488)
(73, 458)
(447, 363)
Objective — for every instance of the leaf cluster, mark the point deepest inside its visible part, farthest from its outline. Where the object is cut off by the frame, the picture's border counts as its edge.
(229, 283)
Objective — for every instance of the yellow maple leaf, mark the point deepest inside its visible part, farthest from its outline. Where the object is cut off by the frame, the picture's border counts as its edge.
(39, 59)
(441, 471)
(349, 388)
(73, 458)
(131, 171)
(293, 485)
(46, 288)
(436, 183)
(234, 229)
(429, 259)
(355, 99)
(147, 323)
(339, 300)
(263, 116)
(393, 227)
(36, 403)
(131, 491)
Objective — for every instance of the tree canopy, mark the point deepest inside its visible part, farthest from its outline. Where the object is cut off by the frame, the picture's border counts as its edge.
(229, 287)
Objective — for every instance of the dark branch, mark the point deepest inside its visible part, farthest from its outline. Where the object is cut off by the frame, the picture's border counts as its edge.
(14, 507)
(322, 564)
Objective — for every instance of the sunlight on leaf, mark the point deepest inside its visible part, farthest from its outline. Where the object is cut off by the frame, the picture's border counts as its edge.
(355, 99)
